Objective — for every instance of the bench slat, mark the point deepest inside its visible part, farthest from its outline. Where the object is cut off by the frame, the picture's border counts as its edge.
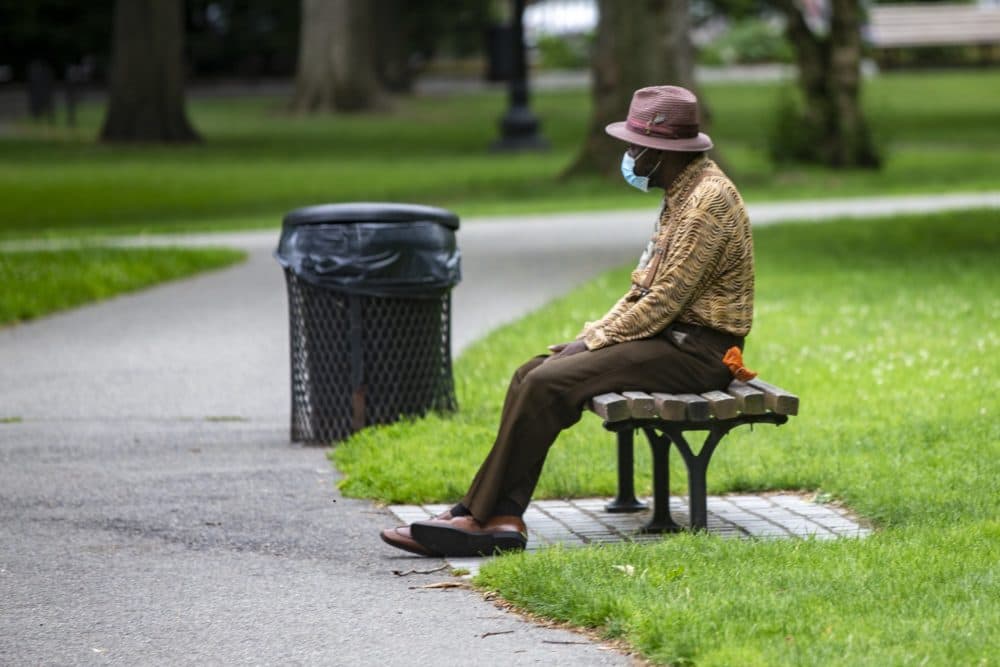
(610, 407)
(641, 405)
(721, 404)
(777, 399)
(669, 407)
(698, 409)
(755, 397)
(750, 401)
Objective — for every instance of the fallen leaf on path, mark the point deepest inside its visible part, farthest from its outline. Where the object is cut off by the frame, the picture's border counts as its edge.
(401, 573)
(501, 632)
(444, 584)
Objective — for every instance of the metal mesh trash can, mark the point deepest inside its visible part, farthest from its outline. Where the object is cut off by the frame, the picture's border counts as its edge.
(369, 300)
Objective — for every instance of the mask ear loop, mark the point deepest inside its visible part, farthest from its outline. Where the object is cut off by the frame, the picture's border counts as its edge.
(653, 170)
(636, 158)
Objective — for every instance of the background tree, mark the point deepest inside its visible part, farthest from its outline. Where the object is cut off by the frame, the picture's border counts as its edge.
(337, 57)
(58, 32)
(249, 39)
(410, 34)
(639, 43)
(829, 126)
(146, 101)
(393, 65)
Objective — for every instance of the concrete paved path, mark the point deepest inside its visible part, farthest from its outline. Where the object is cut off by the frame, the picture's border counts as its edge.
(152, 510)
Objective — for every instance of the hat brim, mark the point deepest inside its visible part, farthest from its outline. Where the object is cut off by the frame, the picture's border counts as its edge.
(622, 131)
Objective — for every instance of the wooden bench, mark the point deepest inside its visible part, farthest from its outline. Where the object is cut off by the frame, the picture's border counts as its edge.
(896, 26)
(947, 24)
(664, 418)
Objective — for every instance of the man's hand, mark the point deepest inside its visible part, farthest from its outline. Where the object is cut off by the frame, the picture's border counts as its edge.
(567, 349)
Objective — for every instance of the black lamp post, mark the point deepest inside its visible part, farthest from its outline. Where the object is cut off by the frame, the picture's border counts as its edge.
(519, 127)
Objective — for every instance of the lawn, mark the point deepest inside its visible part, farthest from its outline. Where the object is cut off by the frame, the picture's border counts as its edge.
(39, 282)
(889, 330)
(258, 162)
(916, 595)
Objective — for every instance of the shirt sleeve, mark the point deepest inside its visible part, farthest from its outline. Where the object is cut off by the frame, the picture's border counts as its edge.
(620, 307)
(694, 251)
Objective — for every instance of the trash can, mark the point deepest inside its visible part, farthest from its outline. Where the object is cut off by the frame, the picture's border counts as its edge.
(369, 304)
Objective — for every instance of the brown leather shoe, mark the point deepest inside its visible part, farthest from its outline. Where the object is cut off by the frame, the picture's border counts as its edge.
(401, 539)
(464, 536)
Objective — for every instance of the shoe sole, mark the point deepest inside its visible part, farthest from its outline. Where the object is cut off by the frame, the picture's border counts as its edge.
(420, 550)
(453, 542)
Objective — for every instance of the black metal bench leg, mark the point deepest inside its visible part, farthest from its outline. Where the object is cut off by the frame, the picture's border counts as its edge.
(697, 494)
(661, 434)
(626, 500)
(661, 521)
(697, 467)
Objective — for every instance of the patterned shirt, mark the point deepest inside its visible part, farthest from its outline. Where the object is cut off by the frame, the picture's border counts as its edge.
(704, 272)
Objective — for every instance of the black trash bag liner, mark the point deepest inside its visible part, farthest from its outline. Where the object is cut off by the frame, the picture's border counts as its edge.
(372, 249)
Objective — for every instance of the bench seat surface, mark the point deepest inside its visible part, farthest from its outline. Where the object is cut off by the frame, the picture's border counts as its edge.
(752, 398)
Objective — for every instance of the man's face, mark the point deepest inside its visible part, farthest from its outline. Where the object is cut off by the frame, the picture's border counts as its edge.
(646, 159)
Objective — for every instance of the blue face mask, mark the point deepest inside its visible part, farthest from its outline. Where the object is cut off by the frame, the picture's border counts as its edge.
(628, 172)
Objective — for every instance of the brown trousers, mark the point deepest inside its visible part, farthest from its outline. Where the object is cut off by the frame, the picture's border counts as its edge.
(547, 395)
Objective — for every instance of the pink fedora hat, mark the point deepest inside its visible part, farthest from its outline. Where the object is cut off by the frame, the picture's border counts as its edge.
(664, 118)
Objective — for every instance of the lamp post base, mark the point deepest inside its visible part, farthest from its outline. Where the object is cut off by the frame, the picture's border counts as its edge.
(519, 132)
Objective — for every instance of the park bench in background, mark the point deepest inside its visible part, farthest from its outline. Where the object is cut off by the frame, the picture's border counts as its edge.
(664, 418)
(895, 27)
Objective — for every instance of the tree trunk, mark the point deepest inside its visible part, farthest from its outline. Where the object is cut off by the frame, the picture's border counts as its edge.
(831, 127)
(147, 77)
(336, 70)
(639, 43)
(392, 58)
(855, 145)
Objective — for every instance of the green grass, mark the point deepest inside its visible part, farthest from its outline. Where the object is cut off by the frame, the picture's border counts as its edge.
(889, 330)
(258, 162)
(39, 282)
(913, 596)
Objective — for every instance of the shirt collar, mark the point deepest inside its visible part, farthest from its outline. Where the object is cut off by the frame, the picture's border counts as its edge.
(679, 188)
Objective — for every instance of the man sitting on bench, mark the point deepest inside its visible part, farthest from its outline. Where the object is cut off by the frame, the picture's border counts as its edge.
(691, 301)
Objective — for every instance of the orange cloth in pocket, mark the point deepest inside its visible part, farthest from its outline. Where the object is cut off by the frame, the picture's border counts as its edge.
(734, 360)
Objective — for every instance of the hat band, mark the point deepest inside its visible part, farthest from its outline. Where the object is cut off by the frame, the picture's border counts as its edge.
(667, 131)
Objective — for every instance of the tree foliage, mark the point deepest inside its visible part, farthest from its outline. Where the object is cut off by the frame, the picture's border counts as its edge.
(245, 38)
(58, 32)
